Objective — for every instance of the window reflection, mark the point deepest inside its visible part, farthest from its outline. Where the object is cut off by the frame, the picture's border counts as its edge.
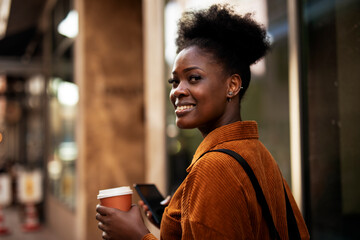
(62, 117)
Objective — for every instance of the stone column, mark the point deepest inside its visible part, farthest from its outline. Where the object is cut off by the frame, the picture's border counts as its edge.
(110, 130)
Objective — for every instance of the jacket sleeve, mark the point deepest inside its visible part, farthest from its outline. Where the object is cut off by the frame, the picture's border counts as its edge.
(304, 233)
(149, 236)
(197, 230)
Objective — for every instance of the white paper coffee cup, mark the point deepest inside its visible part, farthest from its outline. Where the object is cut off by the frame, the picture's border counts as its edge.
(120, 198)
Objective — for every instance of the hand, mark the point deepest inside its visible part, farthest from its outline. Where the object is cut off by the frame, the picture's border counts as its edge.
(148, 213)
(117, 224)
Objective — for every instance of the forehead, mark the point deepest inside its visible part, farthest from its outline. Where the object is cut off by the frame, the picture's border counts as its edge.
(193, 56)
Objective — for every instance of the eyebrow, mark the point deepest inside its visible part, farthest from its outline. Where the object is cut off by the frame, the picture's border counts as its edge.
(188, 69)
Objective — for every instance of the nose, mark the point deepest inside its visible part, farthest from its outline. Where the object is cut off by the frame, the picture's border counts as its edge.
(180, 90)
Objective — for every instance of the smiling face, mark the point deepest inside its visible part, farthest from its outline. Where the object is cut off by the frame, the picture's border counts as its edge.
(199, 91)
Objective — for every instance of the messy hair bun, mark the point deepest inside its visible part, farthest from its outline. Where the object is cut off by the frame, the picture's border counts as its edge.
(236, 41)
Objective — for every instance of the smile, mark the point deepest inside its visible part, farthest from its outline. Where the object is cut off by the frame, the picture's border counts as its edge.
(184, 108)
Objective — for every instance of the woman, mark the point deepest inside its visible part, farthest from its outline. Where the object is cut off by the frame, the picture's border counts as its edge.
(216, 200)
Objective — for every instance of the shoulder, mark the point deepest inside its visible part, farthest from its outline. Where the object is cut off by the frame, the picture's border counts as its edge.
(217, 186)
(216, 166)
(215, 174)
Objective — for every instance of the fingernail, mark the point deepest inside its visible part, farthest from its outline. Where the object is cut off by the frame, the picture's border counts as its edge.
(165, 201)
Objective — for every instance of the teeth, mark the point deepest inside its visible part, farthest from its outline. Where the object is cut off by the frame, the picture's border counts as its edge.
(180, 108)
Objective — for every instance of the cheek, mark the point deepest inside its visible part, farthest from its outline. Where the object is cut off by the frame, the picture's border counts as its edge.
(171, 96)
(209, 94)
(214, 102)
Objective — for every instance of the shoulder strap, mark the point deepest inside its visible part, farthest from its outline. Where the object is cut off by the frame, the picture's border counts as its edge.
(259, 193)
(293, 230)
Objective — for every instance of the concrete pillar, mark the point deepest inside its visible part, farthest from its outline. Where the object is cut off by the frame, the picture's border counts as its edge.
(110, 130)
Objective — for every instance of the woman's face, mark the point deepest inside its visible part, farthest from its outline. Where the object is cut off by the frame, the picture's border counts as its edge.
(199, 90)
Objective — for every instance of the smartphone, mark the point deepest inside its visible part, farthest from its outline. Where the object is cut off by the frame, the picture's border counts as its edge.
(152, 198)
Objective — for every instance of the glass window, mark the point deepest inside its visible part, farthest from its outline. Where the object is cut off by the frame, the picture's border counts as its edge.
(331, 35)
(63, 97)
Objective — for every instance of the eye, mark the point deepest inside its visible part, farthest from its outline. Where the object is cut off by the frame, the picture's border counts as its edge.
(173, 81)
(194, 78)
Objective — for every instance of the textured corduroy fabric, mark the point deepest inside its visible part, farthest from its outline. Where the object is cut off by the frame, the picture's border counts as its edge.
(217, 199)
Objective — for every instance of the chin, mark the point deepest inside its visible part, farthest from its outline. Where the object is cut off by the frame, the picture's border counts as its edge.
(185, 125)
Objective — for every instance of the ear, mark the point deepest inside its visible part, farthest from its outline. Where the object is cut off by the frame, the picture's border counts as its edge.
(234, 85)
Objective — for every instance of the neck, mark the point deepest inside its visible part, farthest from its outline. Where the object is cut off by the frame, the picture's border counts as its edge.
(205, 130)
(231, 115)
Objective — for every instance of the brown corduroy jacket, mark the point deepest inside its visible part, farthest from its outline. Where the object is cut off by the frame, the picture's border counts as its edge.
(217, 199)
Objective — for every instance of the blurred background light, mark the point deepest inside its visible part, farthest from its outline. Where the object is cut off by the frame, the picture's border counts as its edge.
(4, 16)
(3, 84)
(69, 27)
(54, 169)
(36, 85)
(68, 93)
(68, 151)
(172, 130)
(172, 14)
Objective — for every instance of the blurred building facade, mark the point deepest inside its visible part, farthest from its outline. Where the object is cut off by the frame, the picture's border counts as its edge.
(83, 99)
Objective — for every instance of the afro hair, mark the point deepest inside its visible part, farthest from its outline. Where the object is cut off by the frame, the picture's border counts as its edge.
(236, 41)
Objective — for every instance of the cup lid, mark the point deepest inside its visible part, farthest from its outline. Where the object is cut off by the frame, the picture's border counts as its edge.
(112, 192)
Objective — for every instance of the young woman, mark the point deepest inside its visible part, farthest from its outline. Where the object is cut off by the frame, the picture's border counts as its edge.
(217, 199)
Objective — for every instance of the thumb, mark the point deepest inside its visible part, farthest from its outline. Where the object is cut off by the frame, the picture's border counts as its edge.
(166, 200)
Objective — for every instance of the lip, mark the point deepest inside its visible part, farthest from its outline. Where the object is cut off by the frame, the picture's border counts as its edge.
(184, 108)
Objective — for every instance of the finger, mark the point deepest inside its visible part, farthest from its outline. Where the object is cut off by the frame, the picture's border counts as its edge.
(166, 200)
(150, 217)
(136, 208)
(101, 209)
(99, 217)
(105, 236)
(106, 211)
(145, 208)
(102, 227)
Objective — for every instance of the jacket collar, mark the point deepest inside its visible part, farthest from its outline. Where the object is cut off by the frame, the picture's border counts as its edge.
(235, 131)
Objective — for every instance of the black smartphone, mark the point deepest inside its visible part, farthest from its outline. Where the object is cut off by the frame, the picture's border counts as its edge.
(152, 198)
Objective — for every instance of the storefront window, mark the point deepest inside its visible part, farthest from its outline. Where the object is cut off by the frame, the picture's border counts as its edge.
(331, 33)
(63, 96)
(63, 149)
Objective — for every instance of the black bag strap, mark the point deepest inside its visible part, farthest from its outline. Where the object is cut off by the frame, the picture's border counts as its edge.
(293, 230)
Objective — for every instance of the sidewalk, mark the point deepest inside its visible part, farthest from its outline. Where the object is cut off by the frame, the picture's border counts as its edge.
(12, 221)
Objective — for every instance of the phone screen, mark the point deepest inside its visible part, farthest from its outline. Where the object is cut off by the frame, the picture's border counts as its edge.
(152, 198)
